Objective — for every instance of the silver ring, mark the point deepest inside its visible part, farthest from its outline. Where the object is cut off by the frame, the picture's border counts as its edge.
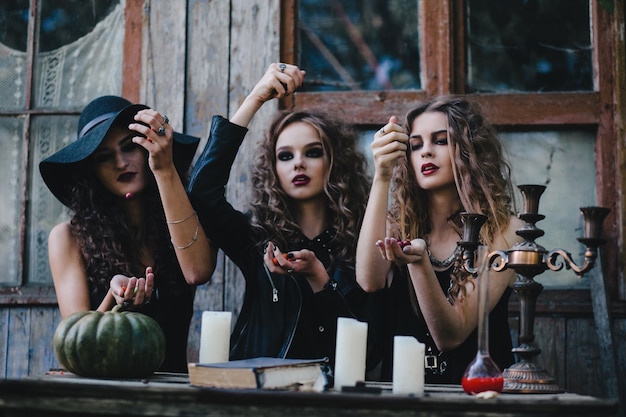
(166, 119)
(125, 304)
(282, 67)
(161, 131)
(290, 270)
(382, 130)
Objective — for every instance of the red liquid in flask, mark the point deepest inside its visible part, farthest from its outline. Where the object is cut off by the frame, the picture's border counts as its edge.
(481, 384)
(482, 374)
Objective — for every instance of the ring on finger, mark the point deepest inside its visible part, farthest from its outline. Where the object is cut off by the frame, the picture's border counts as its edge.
(166, 119)
(160, 131)
(290, 271)
(282, 67)
(382, 130)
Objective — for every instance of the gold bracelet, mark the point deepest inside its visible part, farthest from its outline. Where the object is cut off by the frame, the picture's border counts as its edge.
(193, 239)
(193, 213)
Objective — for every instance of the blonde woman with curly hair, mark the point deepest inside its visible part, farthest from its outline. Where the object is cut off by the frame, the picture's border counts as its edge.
(445, 160)
(296, 248)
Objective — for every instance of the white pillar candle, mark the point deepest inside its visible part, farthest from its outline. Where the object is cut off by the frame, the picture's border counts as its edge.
(215, 336)
(351, 347)
(408, 366)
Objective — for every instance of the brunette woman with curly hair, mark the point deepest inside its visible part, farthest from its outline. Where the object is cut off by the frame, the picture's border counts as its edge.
(447, 159)
(296, 249)
(133, 238)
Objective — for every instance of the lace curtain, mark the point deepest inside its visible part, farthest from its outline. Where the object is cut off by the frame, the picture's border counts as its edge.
(64, 79)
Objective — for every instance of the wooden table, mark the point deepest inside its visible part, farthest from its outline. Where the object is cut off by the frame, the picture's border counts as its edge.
(167, 395)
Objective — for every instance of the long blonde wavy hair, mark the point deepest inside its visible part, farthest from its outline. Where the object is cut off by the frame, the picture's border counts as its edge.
(481, 172)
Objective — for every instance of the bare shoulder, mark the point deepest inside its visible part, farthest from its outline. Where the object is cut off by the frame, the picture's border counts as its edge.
(64, 252)
(61, 236)
(61, 230)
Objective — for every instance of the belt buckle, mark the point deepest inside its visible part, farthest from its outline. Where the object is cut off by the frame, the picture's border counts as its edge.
(431, 363)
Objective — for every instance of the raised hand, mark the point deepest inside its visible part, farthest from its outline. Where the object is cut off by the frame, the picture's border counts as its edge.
(389, 145)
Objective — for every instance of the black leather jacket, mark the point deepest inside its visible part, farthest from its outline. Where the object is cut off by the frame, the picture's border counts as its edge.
(280, 316)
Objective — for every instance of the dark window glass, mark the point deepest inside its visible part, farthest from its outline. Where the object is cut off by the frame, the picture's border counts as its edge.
(359, 45)
(64, 21)
(14, 23)
(61, 21)
(529, 45)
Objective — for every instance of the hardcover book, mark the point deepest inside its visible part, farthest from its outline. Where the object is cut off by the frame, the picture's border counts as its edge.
(261, 373)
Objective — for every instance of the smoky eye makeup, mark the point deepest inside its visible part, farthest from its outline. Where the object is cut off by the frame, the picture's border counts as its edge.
(315, 152)
(440, 137)
(415, 144)
(284, 155)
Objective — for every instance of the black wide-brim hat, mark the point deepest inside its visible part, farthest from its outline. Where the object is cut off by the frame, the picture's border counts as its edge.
(59, 169)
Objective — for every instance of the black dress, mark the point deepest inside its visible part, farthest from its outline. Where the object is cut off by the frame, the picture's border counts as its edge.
(449, 366)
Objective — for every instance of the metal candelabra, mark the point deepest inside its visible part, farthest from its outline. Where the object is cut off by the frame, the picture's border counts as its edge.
(529, 259)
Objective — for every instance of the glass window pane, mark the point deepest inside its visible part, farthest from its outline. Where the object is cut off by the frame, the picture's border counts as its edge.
(49, 134)
(76, 65)
(13, 36)
(359, 45)
(14, 24)
(563, 161)
(11, 130)
(529, 45)
(65, 21)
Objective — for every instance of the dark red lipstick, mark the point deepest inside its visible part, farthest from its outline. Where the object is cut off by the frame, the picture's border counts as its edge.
(429, 168)
(300, 180)
(126, 177)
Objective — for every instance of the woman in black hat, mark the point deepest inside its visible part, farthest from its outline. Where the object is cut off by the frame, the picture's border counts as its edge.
(133, 238)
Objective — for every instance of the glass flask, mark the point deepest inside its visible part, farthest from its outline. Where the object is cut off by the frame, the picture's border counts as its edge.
(482, 374)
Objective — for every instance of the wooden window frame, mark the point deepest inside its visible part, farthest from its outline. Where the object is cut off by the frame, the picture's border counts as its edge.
(23, 293)
(442, 29)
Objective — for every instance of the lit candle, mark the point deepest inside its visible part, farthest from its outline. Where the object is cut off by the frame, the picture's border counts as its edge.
(350, 352)
(408, 366)
(215, 336)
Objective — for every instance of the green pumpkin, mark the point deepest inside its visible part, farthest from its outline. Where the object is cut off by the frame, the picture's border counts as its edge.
(115, 344)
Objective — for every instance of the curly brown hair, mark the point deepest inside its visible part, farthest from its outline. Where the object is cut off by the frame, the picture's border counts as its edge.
(346, 185)
(109, 243)
(481, 171)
